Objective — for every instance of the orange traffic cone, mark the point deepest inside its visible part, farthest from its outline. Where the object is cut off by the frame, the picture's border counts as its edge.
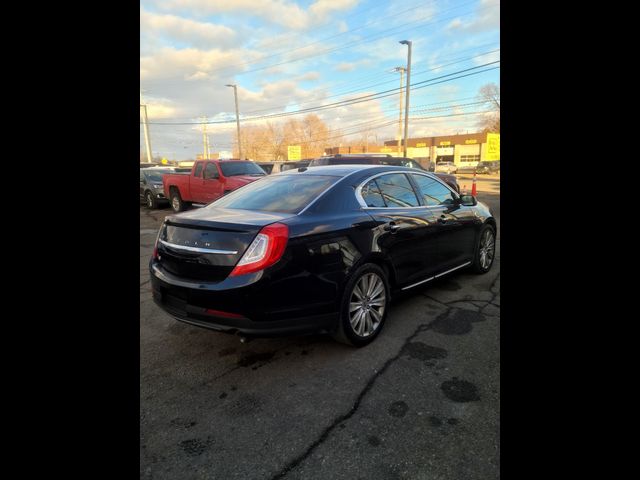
(473, 187)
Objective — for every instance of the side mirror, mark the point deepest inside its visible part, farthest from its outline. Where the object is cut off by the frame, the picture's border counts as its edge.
(468, 200)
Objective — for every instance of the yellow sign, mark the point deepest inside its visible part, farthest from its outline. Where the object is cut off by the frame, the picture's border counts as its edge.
(386, 149)
(493, 146)
(294, 152)
(445, 143)
(164, 161)
(421, 144)
(470, 141)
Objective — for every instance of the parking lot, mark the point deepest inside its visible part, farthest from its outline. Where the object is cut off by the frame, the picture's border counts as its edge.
(421, 402)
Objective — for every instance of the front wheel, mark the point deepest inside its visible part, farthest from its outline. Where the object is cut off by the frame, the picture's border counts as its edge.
(150, 200)
(176, 201)
(485, 250)
(364, 306)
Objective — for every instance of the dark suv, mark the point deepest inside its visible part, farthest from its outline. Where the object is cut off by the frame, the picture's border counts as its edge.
(380, 159)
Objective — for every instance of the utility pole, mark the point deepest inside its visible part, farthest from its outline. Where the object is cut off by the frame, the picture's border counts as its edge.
(235, 94)
(406, 108)
(205, 139)
(401, 70)
(145, 121)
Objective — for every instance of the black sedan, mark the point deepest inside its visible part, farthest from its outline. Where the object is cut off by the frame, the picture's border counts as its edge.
(319, 249)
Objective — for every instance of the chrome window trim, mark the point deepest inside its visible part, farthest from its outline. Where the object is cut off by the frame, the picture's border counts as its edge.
(364, 205)
(198, 250)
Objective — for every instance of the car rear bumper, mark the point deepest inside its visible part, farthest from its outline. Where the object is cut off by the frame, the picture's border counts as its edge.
(252, 310)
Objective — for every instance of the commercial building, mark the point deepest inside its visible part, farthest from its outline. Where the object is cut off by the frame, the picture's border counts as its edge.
(463, 150)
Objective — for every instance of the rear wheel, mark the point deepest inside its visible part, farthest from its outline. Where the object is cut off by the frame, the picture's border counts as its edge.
(485, 250)
(151, 200)
(176, 201)
(364, 306)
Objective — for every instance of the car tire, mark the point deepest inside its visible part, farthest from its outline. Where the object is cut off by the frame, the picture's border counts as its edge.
(360, 322)
(150, 200)
(176, 201)
(485, 251)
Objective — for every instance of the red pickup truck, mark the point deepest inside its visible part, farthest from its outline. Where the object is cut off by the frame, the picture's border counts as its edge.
(208, 181)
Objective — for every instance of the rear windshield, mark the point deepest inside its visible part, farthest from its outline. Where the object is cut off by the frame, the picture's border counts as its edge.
(231, 169)
(156, 175)
(280, 193)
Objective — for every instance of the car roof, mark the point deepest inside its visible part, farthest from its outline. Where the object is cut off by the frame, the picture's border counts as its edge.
(345, 170)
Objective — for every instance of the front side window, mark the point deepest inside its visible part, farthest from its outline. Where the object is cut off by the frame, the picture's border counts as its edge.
(433, 192)
(396, 190)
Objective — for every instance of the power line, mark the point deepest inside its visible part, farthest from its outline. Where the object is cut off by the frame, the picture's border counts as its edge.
(370, 97)
(382, 83)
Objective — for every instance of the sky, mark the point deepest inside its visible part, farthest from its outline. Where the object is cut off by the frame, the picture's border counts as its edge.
(287, 55)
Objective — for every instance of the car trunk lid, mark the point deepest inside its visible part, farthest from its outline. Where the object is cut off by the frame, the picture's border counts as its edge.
(206, 244)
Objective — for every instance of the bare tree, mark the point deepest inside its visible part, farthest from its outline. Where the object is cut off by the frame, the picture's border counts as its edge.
(490, 95)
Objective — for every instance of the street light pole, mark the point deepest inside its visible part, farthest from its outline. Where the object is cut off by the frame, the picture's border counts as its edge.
(145, 121)
(235, 94)
(406, 108)
(401, 70)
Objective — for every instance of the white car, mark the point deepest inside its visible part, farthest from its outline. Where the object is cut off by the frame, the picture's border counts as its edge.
(446, 167)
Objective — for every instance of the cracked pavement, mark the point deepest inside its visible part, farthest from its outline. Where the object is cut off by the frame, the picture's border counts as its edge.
(421, 402)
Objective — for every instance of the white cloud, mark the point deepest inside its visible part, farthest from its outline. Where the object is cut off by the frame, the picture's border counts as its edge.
(281, 12)
(455, 23)
(345, 67)
(158, 108)
(191, 63)
(487, 17)
(194, 33)
(342, 26)
(487, 58)
(321, 9)
(309, 76)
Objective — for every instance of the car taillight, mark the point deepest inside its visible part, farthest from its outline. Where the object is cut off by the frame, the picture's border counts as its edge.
(155, 245)
(265, 250)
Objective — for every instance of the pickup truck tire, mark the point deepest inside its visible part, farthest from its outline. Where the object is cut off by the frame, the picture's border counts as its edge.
(150, 200)
(176, 201)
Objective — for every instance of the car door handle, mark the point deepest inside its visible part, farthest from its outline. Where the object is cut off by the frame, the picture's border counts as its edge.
(391, 227)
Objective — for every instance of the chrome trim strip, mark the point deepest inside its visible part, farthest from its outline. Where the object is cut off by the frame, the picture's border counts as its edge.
(198, 250)
(363, 204)
(436, 276)
(456, 268)
(418, 283)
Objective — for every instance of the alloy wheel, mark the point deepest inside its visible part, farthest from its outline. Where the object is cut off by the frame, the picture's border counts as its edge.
(487, 249)
(366, 305)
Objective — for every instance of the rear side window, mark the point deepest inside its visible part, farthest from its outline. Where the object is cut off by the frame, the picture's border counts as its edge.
(280, 193)
(198, 171)
(397, 191)
(210, 171)
(371, 195)
(433, 192)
